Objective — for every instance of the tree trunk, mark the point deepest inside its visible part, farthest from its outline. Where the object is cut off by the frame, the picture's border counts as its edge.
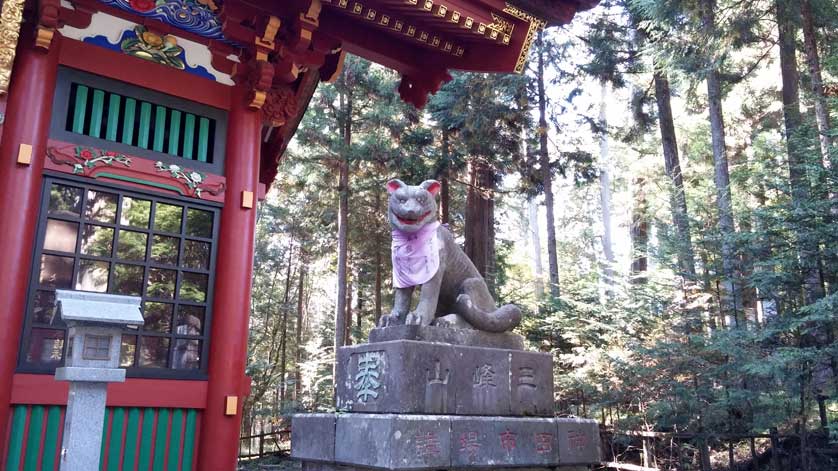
(827, 142)
(479, 217)
(547, 174)
(605, 193)
(284, 338)
(538, 270)
(491, 266)
(445, 197)
(798, 180)
(350, 282)
(813, 60)
(247, 418)
(359, 311)
(283, 386)
(298, 334)
(343, 213)
(639, 233)
(672, 164)
(378, 262)
(729, 295)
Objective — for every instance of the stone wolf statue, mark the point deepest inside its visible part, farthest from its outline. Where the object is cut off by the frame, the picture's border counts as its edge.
(425, 254)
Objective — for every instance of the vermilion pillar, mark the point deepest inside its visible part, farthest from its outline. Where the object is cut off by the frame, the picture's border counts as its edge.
(27, 121)
(231, 306)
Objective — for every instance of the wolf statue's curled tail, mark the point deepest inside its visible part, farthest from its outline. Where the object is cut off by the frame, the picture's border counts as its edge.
(425, 254)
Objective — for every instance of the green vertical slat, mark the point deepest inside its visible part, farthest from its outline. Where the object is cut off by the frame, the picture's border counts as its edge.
(145, 439)
(203, 139)
(113, 116)
(131, 432)
(104, 437)
(189, 439)
(79, 109)
(33, 439)
(128, 122)
(115, 446)
(145, 124)
(159, 127)
(95, 128)
(16, 437)
(160, 438)
(51, 438)
(188, 135)
(174, 131)
(175, 439)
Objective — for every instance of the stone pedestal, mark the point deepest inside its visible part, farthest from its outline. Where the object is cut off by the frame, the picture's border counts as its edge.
(432, 398)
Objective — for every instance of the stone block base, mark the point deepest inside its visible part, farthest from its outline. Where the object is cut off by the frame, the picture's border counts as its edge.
(312, 466)
(411, 377)
(436, 442)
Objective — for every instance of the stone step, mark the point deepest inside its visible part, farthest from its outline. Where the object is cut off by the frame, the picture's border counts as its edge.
(418, 442)
(411, 377)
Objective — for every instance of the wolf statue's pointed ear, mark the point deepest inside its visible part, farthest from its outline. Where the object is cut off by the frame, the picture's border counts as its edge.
(432, 186)
(394, 185)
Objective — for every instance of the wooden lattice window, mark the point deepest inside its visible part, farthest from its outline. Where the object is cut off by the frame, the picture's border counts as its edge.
(104, 113)
(111, 240)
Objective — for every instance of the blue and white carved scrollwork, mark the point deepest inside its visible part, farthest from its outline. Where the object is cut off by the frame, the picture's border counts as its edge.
(187, 15)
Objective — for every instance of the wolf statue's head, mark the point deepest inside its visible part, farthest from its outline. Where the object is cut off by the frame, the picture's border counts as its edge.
(411, 207)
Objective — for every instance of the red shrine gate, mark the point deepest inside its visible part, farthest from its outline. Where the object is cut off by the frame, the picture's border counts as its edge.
(138, 136)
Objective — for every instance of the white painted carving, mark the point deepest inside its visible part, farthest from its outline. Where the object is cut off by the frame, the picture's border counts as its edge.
(112, 28)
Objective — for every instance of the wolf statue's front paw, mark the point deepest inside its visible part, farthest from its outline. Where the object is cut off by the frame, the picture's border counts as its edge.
(389, 319)
(413, 319)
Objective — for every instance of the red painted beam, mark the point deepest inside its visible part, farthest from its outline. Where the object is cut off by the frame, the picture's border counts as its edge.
(134, 392)
(143, 73)
(28, 113)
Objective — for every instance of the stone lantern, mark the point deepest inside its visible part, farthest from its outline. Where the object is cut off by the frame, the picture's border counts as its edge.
(94, 328)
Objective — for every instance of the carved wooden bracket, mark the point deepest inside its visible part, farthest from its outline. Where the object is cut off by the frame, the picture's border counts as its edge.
(260, 79)
(48, 14)
(332, 65)
(265, 45)
(261, 70)
(416, 90)
(303, 27)
(290, 48)
(280, 106)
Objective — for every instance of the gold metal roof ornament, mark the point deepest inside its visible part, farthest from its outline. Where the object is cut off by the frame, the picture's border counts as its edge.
(10, 19)
(536, 24)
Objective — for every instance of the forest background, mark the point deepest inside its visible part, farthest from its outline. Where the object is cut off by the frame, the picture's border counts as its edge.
(657, 191)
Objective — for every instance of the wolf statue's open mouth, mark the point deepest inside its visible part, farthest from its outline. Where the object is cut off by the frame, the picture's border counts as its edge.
(409, 221)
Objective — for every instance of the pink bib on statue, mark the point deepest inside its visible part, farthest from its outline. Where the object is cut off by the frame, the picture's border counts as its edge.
(415, 256)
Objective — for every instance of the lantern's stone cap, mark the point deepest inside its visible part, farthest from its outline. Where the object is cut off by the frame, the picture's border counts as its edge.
(98, 308)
